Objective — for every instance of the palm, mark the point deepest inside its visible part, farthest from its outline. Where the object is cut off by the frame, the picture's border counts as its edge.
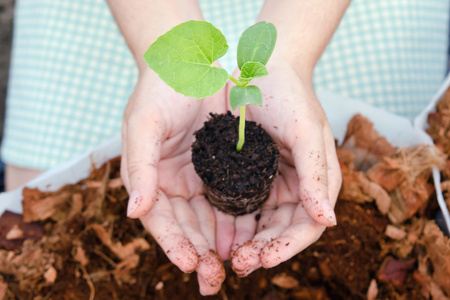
(157, 135)
(308, 174)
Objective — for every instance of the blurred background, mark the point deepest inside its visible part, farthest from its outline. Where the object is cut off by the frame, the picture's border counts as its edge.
(6, 18)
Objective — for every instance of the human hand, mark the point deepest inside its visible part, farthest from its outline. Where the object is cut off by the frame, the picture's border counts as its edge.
(301, 201)
(165, 192)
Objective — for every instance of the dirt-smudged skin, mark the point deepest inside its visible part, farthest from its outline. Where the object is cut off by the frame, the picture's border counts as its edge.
(188, 262)
(182, 253)
(247, 257)
(212, 272)
(270, 258)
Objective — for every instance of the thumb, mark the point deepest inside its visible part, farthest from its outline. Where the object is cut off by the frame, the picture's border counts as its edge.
(312, 170)
(140, 159)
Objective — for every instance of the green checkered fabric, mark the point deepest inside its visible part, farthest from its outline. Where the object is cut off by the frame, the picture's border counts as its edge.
(72, 73)
(389, 53)
(232, 17)
(70, 77)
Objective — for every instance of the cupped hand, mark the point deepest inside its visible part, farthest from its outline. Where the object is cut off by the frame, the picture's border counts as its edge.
(301, 201)
(165, 192)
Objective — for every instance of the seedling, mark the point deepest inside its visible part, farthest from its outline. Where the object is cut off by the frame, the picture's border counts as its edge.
(184, 58)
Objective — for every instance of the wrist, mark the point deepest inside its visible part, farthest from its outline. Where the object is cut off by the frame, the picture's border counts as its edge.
(304, 29)
(278, 61)
(143, 21)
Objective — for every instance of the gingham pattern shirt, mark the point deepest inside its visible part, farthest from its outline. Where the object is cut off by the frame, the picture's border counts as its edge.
(72, 73)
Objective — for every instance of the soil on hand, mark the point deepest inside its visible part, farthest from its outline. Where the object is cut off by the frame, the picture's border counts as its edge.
(236, 182)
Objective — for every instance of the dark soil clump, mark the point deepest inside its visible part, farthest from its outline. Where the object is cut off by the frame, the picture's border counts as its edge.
(236, 183)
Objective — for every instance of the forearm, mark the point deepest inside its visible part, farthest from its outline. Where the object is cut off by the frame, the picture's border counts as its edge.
(142, 21)
(304, 29)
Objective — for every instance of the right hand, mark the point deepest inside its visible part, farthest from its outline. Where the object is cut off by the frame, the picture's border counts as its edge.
(302, 198)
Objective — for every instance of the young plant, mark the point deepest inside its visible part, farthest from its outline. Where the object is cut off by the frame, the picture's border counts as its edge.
(184, 58)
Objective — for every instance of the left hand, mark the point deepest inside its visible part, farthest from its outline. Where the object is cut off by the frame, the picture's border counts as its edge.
(301, 201)
(165, 192)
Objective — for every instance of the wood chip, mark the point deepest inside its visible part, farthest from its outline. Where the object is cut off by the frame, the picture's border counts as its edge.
(394, 232)
(387, 173)
(394, 271)
(122, 271)
(438, 249)
(372, 291)
(3, 289)
(14, 233)
(352, 189)
(284, 281)
(439, 125)
(50, 275)
(77, 205)
(27, 266)
(115, 183)
(308, 293)
(80, 254)
(365, 142)
(39, 209)
(377, 192)
(122, 251)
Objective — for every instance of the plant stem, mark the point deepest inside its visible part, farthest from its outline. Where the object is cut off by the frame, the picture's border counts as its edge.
(241, 130)
(236, 81)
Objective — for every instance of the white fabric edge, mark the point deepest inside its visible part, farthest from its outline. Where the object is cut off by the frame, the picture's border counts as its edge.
(421, 124)
(69, 172)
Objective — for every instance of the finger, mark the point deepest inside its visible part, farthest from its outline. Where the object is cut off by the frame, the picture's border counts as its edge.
(311, 165)
(302, 233)
(225, 230)
(245, 229)
(270, 206)
(163, 226)
(200, 205)
(210, 273)
(205, 288)
(143, 150)
(123, 159)
(206, 219)
(210, 267)
(242, 260)
(266, 216)
(334, 169)
(246, 259)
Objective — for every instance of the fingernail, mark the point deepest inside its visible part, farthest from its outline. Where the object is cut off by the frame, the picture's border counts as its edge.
(328, 212)
(206, 281)
(248, 271)
(133, 202)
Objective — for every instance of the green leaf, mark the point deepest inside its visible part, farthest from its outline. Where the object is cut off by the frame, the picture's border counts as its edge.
(240, 96)
(256, 44)
(251, 70)
(183, 57)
